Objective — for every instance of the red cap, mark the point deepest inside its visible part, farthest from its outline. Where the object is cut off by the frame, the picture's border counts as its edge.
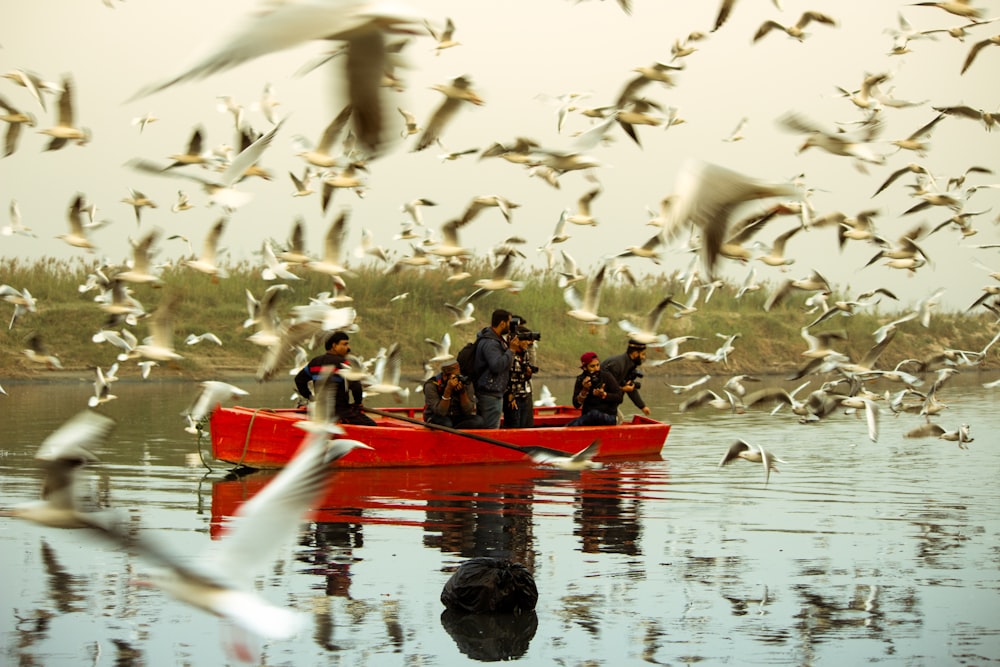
(586, 358)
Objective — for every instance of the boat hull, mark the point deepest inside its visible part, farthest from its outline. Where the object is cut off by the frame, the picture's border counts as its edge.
(267, 438)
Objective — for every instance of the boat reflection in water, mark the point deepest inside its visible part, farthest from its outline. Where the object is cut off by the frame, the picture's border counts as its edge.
(469, 511)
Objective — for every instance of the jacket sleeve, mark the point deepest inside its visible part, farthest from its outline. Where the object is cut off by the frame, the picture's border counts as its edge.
(302, 379)
(611, 386)
(357, 391)
(470, 408)
(432, 398)
(497, 358)
(577, 387)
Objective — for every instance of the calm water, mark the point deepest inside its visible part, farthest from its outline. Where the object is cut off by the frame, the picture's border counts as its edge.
(855, 552)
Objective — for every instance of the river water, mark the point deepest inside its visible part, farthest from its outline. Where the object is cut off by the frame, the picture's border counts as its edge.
(854, 552)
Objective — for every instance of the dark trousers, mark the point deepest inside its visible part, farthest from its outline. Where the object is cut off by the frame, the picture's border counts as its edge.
(519, 415)
(464, 422)
(594, 418)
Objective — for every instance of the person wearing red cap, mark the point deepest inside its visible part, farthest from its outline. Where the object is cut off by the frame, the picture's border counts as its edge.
(596, 393)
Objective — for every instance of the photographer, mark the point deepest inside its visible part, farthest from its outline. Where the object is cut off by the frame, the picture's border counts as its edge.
(625, 369)
(518, 411)
(596, 393)
(449, 399)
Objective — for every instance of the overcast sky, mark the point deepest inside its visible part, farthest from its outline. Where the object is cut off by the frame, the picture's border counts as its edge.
(517, 53)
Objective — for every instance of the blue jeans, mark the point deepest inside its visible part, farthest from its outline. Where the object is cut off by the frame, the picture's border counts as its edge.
(490, 408)
(594, 418)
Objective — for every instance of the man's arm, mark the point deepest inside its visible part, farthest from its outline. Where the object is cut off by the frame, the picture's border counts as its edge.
(432, 399)
(302, 380)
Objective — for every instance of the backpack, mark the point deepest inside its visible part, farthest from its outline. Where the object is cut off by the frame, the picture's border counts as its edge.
(466, 358)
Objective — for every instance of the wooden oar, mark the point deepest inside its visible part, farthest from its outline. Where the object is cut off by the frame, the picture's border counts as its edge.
(527, 451)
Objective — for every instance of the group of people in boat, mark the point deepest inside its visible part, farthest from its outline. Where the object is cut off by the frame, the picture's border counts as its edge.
(488, 385)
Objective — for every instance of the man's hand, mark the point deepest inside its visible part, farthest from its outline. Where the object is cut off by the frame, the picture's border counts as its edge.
(628, 387)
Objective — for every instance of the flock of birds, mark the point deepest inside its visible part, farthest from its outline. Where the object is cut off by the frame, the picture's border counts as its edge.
(701, 215)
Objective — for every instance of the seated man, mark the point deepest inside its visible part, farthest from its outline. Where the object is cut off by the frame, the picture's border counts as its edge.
(337, 392)
(450, 400)
(596, 393)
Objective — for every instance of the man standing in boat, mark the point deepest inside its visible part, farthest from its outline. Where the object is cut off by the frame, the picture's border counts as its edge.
(625, 369)
(449, 399)
(339, 390)
(518, 411)
(491, 368)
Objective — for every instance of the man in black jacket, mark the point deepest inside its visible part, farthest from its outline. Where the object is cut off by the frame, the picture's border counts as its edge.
(625, 369)
(340, 391)
(596, 394)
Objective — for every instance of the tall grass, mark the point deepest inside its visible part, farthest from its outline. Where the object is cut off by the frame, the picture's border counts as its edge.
(768, 342)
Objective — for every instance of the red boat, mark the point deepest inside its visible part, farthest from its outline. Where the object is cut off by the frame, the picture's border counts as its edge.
(267, 438)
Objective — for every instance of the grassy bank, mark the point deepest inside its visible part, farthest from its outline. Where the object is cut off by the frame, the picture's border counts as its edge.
(768, 342)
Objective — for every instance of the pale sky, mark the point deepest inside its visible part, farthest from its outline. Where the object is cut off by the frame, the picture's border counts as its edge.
(516, 53)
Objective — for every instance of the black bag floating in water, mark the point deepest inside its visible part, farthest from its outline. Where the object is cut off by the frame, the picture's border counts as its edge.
(486, 585)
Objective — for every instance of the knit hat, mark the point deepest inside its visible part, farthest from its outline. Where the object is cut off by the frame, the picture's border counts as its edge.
(586, 358)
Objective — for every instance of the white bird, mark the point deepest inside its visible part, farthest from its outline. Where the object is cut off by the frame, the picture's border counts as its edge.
(16, 225)
(102, 386)
(194, 339)
(362, 25)
(646, 333)
(321, 154)
(477, 204)
(705, 196)
(210, 394)
(273, 267)
(582, 460)
(871, 411)
(124, 341)
(332, 261)
(206, 262)
(221, 579)
(545, 398)
(683, 388)
(583, 215)
(445, 39)
(456, 91)
(141, 269)
(38, 352)
(712, 399)
(159, 346)
(442, 349)
(22, 300)
(220, 188)
(77, 236)
(585, 309)
(62, 454)
(65, 128)
(385, 376)
(796, 30)
(753, 453)
(930, 429)
(462, 312)
(499, 279)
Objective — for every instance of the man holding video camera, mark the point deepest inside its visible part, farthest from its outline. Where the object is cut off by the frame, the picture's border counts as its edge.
(450, 400)
(518, 410)
(625, 369)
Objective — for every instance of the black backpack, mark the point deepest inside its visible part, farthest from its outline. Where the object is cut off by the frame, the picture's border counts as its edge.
(466, 358)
